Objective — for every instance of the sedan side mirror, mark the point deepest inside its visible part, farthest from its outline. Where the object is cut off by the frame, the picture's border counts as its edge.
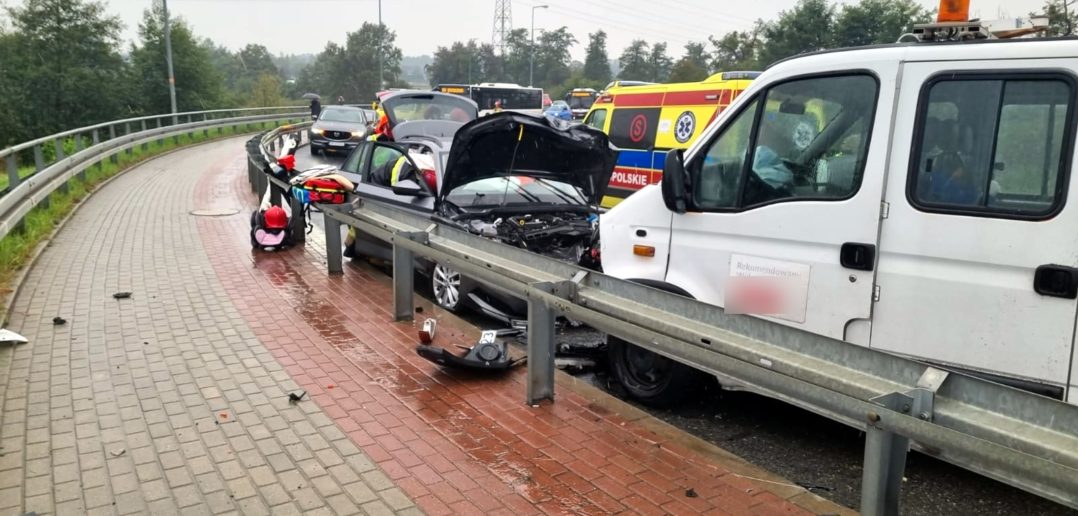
(673, 183)
(409, 187)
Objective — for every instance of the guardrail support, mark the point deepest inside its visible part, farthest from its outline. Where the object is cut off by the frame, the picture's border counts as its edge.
(885, 460)
(540, 347)
(112, 136)
(127, 130)
(78, 143)
(885, 451)
(299, 225)
(12, 171)
(404, 276)
(58, 144)
(334, 256)
(39, 159)
(145, 146)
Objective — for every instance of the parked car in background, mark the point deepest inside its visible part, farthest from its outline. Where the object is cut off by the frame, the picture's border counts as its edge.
(559, 109)
(339, 128)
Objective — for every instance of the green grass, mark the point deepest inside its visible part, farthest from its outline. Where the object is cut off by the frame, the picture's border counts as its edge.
(17, 248)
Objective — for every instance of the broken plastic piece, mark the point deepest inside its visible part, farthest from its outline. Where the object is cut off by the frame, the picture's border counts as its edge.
(117, 453)
(426, 335)
(8, 336)
(122, 295)
(293, 397)
(488, 354)
(58, 321)
(691, 493)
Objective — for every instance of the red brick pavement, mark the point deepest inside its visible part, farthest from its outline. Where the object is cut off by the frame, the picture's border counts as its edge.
(454, 442)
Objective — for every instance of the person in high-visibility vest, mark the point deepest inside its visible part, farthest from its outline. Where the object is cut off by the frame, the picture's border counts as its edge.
(382, 131)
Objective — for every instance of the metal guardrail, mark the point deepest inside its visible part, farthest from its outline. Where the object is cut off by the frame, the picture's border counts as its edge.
(23, 194)
(1019, 438)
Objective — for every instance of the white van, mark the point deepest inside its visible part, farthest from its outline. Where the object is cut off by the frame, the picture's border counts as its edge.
(929, 212)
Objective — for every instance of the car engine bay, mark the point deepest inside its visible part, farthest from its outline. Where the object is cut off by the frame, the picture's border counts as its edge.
(565, 236)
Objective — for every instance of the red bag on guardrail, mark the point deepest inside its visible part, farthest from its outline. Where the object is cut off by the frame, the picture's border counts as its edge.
(325, 191)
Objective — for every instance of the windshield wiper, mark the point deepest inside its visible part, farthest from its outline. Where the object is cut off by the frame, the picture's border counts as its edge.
(557, 191)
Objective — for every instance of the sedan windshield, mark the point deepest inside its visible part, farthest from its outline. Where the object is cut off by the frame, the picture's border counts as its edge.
(494, 191)
(350, 116)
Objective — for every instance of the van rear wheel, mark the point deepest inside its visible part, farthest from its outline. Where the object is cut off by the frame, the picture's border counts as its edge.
(651, 378)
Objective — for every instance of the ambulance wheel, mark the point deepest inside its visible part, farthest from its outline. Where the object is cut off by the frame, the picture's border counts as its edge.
(650, 378)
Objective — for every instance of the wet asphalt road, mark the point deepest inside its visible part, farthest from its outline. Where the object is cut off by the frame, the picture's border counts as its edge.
(805, 448)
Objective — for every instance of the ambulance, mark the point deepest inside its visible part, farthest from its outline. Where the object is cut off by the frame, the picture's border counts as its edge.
(647, 121)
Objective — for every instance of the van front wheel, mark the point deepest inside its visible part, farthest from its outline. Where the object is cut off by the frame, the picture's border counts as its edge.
(651, 378)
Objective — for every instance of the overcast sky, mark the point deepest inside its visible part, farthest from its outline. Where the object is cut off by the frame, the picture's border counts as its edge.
(305, 26)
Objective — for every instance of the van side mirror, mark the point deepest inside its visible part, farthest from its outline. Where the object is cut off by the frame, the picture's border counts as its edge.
(409, 187)
(674, 181)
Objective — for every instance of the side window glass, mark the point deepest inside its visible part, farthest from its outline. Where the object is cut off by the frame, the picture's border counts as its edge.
(992, 146)
(351, 163)
(597, 119)
(811, 140)
(718, 180)
(383, 158)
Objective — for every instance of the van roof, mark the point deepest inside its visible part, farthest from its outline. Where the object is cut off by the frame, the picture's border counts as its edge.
(969, 50)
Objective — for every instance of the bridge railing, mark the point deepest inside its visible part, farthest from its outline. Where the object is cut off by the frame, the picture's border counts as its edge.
(37, 168)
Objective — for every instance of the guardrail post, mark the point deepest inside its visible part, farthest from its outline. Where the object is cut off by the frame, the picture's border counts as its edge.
(205, 131)
(127, 131)
(59, 145)
(78, 143)
(39, 159)
(540, 347)
(403, 276)
(112, 136)
(299, 225)
(190, 133)
(145, 146)
(12, 171)
(334, 258)
(160, 141)
(885, 459)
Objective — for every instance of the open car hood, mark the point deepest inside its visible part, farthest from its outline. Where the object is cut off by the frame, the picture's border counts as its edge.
(578, 155)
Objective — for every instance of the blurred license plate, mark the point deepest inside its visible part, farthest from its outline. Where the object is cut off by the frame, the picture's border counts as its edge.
(336, 144)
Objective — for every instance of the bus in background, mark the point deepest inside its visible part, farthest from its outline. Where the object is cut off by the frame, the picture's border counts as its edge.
(580, 101)
(646, 121)
(514, 97)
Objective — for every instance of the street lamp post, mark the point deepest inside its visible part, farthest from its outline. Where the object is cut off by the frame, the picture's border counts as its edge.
(381, 79)
(531, 61)
(168, 59)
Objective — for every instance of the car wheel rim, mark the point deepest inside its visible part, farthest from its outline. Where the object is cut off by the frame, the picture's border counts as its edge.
(446, 286)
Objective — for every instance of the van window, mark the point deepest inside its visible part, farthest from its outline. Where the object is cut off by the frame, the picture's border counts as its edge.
(597, 119)
(992, 146)
(807, 139)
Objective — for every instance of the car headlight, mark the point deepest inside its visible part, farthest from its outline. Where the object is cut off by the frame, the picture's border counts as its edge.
(318, 131)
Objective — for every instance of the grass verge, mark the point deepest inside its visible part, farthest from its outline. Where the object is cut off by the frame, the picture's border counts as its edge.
(17, 248)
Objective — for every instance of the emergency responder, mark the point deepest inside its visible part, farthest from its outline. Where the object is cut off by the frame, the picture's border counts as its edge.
(381, 131)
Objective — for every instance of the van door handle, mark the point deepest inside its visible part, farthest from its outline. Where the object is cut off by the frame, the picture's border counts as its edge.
(861, 257)
(1056, 281)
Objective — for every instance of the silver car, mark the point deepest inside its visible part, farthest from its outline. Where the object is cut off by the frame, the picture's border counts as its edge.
(339, 128)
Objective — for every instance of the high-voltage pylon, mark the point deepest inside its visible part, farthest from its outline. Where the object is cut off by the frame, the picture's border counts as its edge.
(503, 23)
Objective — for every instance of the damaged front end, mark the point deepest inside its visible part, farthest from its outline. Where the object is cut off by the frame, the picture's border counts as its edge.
(534, 183)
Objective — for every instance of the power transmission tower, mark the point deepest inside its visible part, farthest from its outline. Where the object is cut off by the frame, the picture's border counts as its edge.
(503, 23)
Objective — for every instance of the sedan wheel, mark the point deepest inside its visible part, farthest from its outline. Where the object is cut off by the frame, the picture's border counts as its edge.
(446, 285)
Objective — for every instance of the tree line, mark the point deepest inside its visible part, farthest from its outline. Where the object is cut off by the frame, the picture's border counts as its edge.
(63, 65)
(808, 26)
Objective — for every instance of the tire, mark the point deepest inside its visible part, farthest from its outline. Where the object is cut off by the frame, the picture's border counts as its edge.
(650, 378)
